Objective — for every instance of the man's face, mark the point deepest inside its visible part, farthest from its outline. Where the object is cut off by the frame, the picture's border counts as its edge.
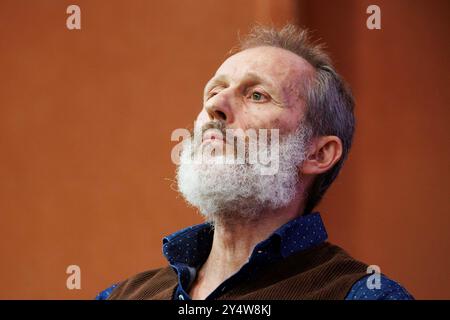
(257, 88)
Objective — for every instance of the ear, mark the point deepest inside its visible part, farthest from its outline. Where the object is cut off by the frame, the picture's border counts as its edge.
(323, 153)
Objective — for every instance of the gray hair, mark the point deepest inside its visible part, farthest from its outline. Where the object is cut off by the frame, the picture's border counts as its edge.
(329, 100)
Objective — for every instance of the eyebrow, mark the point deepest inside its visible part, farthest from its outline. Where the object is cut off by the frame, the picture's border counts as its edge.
(250, 76)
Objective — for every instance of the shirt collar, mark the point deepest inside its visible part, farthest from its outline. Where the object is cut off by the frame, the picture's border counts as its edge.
(191, 246)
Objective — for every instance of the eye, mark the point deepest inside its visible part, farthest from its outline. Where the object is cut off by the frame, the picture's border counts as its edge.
(212, 93)
(258, 96)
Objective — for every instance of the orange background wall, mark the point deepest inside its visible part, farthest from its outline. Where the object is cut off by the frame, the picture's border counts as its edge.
(86, 118)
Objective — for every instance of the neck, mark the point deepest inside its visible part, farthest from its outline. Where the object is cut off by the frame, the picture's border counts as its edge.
(233, 243)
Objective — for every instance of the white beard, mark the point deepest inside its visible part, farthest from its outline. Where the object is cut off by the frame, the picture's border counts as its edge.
(237, 192)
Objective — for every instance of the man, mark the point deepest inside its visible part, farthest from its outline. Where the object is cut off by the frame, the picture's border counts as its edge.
(262, 239)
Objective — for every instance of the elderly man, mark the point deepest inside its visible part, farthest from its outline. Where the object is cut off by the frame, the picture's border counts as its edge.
(261, 238)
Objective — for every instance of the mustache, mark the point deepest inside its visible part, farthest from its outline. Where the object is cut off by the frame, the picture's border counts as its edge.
(226, 132)
(217, 124)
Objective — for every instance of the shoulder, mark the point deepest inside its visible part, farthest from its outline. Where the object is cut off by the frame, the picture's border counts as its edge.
(353, 274)
(366, 286)
(135, 282)
(383, 288)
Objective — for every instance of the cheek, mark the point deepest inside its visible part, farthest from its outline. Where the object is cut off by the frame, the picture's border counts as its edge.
(283, 119)
(291, 121)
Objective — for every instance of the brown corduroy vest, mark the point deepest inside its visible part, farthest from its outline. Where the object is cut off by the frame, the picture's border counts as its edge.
(322, 272)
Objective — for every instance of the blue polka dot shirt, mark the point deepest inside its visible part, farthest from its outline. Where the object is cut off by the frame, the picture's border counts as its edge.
(187, 250)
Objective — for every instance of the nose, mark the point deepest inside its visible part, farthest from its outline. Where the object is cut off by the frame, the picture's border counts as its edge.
(219, 108)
